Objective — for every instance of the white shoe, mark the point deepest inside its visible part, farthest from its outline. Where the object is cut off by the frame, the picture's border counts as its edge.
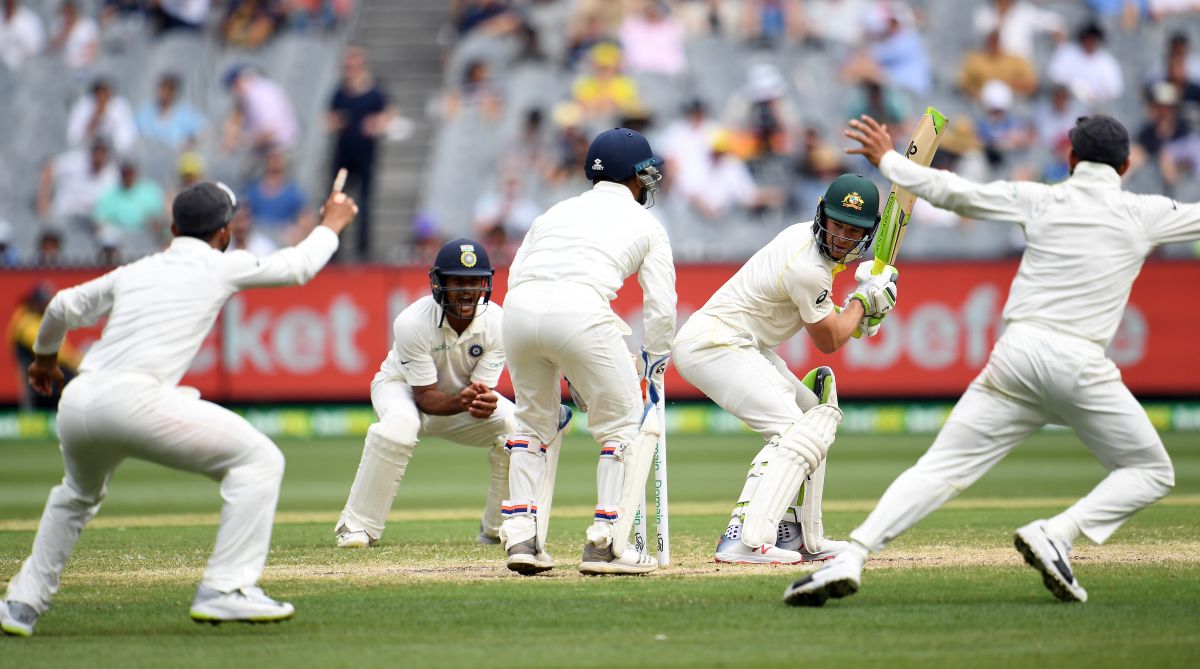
(17, 619)
(598, 561)
(1050, 559)
(525, 559)
(354, 539)
(790, 537)
(247, 605)
(840, 578)
(736, 552)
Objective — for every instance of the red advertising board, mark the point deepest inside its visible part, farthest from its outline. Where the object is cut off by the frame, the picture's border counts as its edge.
(324, 341)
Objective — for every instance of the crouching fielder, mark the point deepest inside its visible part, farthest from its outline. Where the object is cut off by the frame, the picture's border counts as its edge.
(571, 264)
(1087, 240)
(436, 381)
(126, 402)
(725, 350)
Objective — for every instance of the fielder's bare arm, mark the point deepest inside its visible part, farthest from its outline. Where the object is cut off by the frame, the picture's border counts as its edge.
(1086, 242)
(126, 402)
(724, 349)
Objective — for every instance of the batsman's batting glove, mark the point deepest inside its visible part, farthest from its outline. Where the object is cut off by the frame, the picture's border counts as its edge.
(870, 325)
(876, 292)
(576, 397)
(652, 367)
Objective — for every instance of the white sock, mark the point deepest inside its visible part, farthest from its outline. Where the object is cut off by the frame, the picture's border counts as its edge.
(1063, 529)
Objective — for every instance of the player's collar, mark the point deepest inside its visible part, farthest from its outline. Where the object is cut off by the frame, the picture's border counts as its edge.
(610, 187)
(1097, 172)
(190, 245)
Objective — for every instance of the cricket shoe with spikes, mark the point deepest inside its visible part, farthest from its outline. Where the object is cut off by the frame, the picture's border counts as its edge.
(525, 559)
(599, 561)
(840, 578)
(732, 550)
(17, 619)
(1050, 558)
(348, 538)
(245, 605)
(790, 537)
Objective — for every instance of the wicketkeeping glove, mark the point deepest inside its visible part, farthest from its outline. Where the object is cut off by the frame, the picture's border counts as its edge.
(876, 292)
(652, 368)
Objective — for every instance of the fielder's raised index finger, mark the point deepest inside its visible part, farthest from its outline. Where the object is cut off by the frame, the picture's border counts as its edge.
(339, 181)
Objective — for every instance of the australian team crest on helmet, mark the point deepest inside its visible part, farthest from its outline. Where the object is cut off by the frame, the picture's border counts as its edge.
(854, 201)
(468, 257)
(476, 350)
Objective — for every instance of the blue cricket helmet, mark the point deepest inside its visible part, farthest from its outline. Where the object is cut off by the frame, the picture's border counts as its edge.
(618, 154)
(460, 257)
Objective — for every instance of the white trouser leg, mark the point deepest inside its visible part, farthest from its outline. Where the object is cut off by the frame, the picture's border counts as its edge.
(387, 450)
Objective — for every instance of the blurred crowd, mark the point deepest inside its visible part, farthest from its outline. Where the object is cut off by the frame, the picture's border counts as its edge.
(745, 100)
(95, 196)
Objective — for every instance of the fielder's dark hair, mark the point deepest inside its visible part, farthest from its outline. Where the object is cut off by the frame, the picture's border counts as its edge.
(202, 236)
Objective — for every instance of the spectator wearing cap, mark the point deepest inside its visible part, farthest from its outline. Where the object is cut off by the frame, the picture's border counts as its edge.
(653, 40)
(991, 63)
(189, 171)
(277, 203)
(1087, 68)
(102, 114)
(606, 91)
(8, 254)
(188, 15)
(77, 37)
(1166, 138)
(1019, 23)
(134, 209)
(72, 183)
(22, 34)
(762, 112)
(263, 115)
(1006, 136)
(167, 119)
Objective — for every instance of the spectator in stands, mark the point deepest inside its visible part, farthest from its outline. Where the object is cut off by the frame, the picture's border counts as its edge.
(1178, 58)
(685, 141)
(883, 104)
(592, 23)
(1006, 136)
(243, 236)
(189, 171)
(837, 24)
(896, 49)
(1166, 138)
(490, 16)
(653, 40)
(725, 185)
(504, 213)
(359, 115)
(102, 114)
(77, 37)
(110, 241)
(531, 146)
(22, 331)
(71, 185)
(1085, 67)
(1179, 73)
(323, 14)
(22, 34)
(570, 144)
(8, 255)
(991, 63)
(168, 119)
(262, 116)
(478, 91)
(277, 202)
(819, 164)
(134, 207)
(1053, 118)
(1018, 22)
(771, 23)
(606, 91)
(179, 14)
(49, 249)
(762, 112)
(251, 23)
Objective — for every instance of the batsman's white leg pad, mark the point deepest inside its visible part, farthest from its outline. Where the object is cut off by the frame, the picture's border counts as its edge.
(526, 471)
(810, 511)
(638, 458)
(498, 459)
(799, 450)
(387, 450)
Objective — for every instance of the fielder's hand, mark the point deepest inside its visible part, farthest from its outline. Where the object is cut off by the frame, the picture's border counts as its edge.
(873, 137)
(483, 402)
(651, 368)
(45, 374)
(876, 292)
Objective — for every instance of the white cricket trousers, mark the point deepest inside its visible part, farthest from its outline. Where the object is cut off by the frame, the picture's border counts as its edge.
(742, 376)
(104, 418)
(1033, 377)
(569, 328)
(385, 459)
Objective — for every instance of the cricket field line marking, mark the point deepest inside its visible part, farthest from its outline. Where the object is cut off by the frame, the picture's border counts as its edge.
(678, 509)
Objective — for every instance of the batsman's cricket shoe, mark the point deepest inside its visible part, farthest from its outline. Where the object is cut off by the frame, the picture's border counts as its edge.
(246, 605)
(525, 559)
(840, 578)
(790, 537)
(598, 561)
(1050, 558)
(347, 538)
(732, 550)
(17, 619)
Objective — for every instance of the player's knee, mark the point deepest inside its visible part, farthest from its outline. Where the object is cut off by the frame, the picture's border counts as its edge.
(396, 428)
(1161, 476)
(77, 496)
(268, 463)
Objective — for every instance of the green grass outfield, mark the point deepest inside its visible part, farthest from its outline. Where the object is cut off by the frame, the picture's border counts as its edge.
(951, 593)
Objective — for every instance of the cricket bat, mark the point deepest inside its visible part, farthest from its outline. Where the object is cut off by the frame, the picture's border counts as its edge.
(922, 146)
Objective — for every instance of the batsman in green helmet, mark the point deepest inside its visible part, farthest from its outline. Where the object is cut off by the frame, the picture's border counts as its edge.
(725, 350)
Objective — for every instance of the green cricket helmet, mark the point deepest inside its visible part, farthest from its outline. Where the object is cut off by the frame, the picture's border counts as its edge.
(853, 200)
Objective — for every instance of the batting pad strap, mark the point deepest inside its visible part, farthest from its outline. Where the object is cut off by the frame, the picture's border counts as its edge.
(518, 507)
(607, 514)
(525, 444)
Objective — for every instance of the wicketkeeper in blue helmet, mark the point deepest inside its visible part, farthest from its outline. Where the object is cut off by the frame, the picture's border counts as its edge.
(623, 156)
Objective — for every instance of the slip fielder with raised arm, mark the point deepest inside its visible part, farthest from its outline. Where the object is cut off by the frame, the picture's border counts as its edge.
(1086, 242)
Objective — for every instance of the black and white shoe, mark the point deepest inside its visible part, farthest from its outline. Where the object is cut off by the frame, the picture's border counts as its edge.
(840, 578)
(1050, 558)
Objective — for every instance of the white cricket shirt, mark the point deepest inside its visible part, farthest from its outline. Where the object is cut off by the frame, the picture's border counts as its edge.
(785, 286)
(599, 239)
(1086, 239)
(161, 308)
(427, 354)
